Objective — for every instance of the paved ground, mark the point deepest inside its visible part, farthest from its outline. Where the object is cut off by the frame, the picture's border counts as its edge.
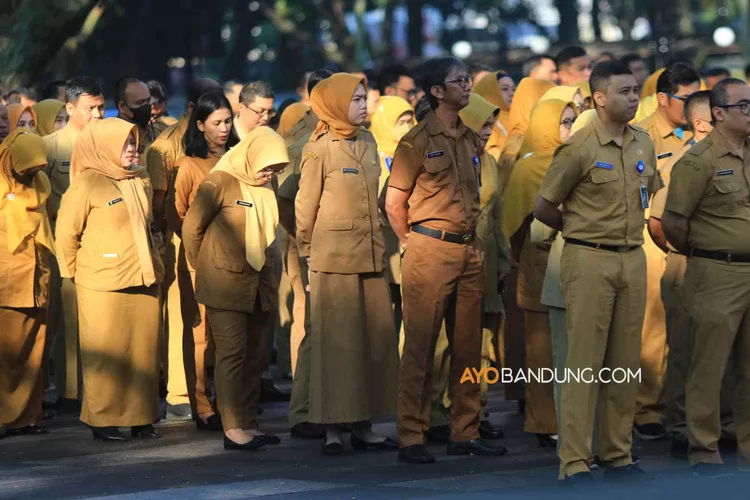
(187, 464)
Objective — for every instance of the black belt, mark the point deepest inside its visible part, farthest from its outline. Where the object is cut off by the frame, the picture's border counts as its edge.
(723, 256)
(600, 246)
(444, 235)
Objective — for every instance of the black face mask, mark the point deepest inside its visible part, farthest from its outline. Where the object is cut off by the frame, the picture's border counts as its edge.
(142, 115)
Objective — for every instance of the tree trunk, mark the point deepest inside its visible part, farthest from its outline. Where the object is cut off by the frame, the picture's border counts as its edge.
(415, 34)
(596, 23)
(568, 31)
(241, 42)
(334, 12)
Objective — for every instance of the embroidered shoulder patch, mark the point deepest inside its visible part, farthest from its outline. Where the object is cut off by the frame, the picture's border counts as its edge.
(407, 144)
(692, 164)
(564, 151)
(310, 154)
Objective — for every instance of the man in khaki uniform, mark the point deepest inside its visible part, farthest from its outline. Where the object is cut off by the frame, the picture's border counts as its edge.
(706, 217)
(603, 177)
(296, 139)
(133, 101)
(433, 206)
(160, 160)
(85, 102)
(669, 131)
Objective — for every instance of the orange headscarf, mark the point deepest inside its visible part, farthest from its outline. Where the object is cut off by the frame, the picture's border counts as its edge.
(488, 88)
(330, 101)
(291, 116)
(649, 86)
(14, 114)
(99, 148)
(528, 92)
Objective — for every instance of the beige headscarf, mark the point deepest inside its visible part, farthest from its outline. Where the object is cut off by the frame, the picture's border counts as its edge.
(259, 149)
(99, 148)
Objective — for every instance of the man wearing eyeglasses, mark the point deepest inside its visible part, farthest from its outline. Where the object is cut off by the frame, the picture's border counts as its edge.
(706, 217)
(255, 109)
(670, 132)
(396, 80)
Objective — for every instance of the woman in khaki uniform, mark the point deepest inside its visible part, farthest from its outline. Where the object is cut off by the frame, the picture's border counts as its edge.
(354, 365)
(104, 243)
(208, 136)
(51, 116)
(26, 244)
(549, 127)
(499, 89)
(21, 116)
(227, 233)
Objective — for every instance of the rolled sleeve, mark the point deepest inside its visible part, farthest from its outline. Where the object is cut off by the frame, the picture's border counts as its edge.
(563, 175)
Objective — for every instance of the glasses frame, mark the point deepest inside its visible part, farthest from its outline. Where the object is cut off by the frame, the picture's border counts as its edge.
(270, 112)
(679, 98)
(467, 81)
(744, 107)
(568, 124)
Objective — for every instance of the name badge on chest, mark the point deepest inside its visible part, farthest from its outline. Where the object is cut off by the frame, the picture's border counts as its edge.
(114, 202)
(604, 165)
(722, 173)
(664, 155)
(435, 154)
(244, 203)
(350, 170)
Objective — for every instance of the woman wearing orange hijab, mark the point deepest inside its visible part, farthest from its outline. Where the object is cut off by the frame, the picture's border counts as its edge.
(21, 116)
(104, 243)
(26, 245)
(549, 127)
(291, 116)
(51, 116)
(354, 361)
(499, 89)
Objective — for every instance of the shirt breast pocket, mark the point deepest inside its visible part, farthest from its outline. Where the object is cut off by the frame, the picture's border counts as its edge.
(723, 197)
(439, 170)
(604, 185)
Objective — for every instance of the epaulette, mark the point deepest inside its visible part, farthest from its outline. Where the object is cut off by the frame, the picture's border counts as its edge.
(310, 154)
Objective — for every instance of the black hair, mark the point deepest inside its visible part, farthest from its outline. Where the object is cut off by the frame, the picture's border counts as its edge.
(229, 85)
(422, 108)
(534, 62)
(274, 122)
(391, 75)
(695, 100)
(568, 53)
(122, 85)
(80, 85)
(717, 72)
(627, 59)
(316, 77)
(434, 72)
(747, 71)
(602, 75)
(675, 75)
(202, 86)
(476, 68)
(20, 91)
(194, 140)
(255, 90)
(720, 96)
(158, 90)
(606, 56)
(52, 89)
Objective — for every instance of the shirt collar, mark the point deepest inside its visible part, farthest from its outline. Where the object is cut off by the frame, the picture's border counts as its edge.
(605, 137)
(665, 129)
(435, 127)
(721, 144)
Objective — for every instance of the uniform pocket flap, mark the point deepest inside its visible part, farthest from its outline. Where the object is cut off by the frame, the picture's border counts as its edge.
(601, 176)
(726, 188)
(339, 225)
(229, 265)
(437, 164)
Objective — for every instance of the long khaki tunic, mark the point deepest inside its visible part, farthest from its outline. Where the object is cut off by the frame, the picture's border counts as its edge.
(118, 314)
(354, 366)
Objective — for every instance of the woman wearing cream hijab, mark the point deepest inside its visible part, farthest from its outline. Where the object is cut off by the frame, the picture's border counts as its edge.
(228, 232)
(26, 244)
(489, 87)
(549, 127)
(354, 360)
(104, 243)
(392, 119)
(21, 116)
(51, 116)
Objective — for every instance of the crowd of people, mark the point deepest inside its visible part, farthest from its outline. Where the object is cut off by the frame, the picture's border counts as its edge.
(396, 230)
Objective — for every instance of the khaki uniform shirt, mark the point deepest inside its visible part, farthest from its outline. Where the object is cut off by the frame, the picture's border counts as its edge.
(667, 143)
(214, 237)
(660, 198)
(59, 152)
(442, 175)
(94, 238)
(709, 186)
(161, 156)
(295, 139)
(25, 275)
(163, 123)
(598, 184)
(338, 225)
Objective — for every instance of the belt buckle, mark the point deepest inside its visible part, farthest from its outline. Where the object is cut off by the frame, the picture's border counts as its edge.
(623, 249)
(729, 257)
(468, 237)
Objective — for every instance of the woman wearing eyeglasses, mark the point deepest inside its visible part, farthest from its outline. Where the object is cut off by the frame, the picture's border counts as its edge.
(549, 127)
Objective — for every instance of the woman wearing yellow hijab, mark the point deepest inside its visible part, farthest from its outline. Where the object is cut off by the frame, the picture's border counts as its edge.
(354, 354)
(104, 243)
(585, 89)
(392, 119)
(567, 94)
(21, 116)
(491, 87)
(291, 116)
(549, 127)
(51, 115)
(26, 244)
(228, 232)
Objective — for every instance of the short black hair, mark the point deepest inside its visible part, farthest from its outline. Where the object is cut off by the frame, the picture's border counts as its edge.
(158, 91)
(695, 100)
(434, 72)
(675, 75)
(202, 86)
(717, 72)
(747, 71)
(720, 96)
(52, 89)
(229, 85)
(603, 72)
(391, 75)
(422, 108)
(316, 77)
(534, 62)
(568, 53)
(20, 91)
(194, 141)
(476, 68)
(627, 59)
(253, 90)
(80, 85)
(122, 85)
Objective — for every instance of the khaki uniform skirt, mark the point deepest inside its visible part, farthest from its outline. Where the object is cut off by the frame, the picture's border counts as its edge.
(119, 356)
(354, 349)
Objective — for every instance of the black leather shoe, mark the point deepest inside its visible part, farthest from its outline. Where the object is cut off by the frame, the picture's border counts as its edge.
(269, 392)
(253, 444)
(727, 444)
(488, 431)
(144, 431)
(415, 454)
(306, 430)
(679, 447)
(332, 449)
(67, 406)
(212, 423)
(626, 473)
(360, 444)
(582, 480)
(109, 434)
(29, 430)
(271, 439)
(546, 441)
(475, 447)
(439, 434)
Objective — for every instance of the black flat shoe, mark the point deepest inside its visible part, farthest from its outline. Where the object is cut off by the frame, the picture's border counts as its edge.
(475, 447)
(415, 454)
(29, 430)
(360, 444)
(271, 439)
(546, 441)
(212, 423)
(488, 431)
(144, 431)
(331, 449)
(253, 444)
(109, 434)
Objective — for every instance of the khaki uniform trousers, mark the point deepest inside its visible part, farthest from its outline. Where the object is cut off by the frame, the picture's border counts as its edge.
(285, 315)
(299, 404)
(62, 318)
(173, 361)
(539, 417)
(650, 404)
(294, 271)
(605, 297)
(718, 296)
(513, 335)
(440, 281)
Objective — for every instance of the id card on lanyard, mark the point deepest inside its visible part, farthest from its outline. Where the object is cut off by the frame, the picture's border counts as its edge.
(643, 189)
